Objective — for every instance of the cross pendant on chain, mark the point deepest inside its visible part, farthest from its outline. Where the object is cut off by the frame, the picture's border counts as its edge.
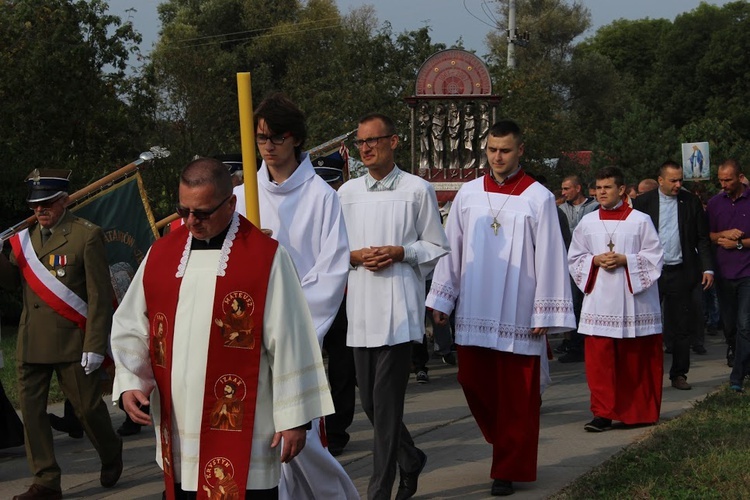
(495, 225)
(611, 245)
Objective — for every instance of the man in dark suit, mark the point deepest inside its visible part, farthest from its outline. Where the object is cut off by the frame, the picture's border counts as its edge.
(61, 265)
(679, 218)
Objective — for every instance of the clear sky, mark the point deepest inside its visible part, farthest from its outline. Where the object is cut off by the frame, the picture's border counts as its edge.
(448, 19)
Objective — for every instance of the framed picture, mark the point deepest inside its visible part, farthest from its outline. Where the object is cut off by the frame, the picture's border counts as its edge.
(696, 163)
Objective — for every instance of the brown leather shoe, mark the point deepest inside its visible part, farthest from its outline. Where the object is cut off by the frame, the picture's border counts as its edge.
(112, 471)
(39, 491)
(680, 382)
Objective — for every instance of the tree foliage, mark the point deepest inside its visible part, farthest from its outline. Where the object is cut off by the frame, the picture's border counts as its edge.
(634, 141)
(689, 75)
(631, 93)
(335, 67)
(541, 93)
(61, 92)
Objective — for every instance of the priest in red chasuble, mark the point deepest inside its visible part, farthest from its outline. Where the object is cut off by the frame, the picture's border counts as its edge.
(191, 277)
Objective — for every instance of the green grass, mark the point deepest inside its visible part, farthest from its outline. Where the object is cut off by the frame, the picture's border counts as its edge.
(8, 372)
(701, 454)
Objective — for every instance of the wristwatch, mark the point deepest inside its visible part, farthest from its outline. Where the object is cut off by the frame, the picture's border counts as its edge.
(740, 246)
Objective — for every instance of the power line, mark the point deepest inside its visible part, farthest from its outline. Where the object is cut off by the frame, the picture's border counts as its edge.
(269, 35)
(466, 8)
(212, 38)
(491, 13)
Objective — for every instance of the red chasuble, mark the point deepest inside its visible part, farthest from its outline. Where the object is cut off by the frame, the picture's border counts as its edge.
(233, 357)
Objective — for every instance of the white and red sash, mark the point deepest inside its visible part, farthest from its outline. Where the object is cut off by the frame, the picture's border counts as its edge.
(233, 357)
(50, 289)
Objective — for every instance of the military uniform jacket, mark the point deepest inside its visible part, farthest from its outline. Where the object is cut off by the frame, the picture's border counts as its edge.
(75, 254)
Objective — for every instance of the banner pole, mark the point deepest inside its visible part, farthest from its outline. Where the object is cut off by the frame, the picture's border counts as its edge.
(153, 153)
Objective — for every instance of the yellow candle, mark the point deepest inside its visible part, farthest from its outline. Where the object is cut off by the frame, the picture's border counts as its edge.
(247, 139)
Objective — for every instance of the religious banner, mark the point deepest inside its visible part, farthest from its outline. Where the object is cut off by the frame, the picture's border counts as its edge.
(696, 164)
(123, 212)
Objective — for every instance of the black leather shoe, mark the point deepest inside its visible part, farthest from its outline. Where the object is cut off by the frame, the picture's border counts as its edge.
(335, 450)
(501, 488)
(407, 486)
(73, 429)
(112, 471)
(699, 349)
(39, 491)
(128, 428)
(337, 441)
(599, 424)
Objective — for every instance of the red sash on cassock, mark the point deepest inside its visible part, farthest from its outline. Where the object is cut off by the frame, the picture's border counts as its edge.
(50, 289)
(620, 213)
(233, 358)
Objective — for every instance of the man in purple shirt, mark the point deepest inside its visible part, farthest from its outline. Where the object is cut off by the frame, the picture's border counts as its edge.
(729, 225)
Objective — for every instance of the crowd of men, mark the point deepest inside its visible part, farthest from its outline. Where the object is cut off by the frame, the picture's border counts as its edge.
(218, 342)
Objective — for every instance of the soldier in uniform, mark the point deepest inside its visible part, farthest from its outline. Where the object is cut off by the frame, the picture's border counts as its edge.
(61, 265)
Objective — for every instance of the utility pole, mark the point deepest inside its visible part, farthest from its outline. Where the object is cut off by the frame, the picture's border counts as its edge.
(513, 38)
(511, 34)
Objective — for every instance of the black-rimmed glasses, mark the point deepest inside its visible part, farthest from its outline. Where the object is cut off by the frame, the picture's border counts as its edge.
(199, 214)
(276, 140)
(370, 141)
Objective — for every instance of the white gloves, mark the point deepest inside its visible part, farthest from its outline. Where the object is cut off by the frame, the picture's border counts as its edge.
(91, 361)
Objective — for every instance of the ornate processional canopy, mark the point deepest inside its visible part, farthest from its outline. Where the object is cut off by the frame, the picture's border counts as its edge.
(451, 73)
(451, 114)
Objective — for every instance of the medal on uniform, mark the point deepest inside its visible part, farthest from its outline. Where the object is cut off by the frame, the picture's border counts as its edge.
(58, 263)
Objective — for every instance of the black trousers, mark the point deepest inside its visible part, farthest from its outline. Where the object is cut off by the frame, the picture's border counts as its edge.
(676, 292)
(382, 376)
(420, 355)
(342, 378)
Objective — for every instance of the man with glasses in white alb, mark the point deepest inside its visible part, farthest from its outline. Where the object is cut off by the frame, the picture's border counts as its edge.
(396, 238)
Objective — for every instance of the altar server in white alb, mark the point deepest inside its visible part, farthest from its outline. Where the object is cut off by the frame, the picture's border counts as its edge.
(396, 237)
(300, 208)
(507, 281)
(304, 215)
(215, 321)
(615, 259)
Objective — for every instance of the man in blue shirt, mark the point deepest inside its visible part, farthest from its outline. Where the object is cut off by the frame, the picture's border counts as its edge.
(681, 223)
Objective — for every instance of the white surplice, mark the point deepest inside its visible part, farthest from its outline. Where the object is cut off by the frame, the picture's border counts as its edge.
(502, 286)
(623, 303)
(292, 386)
(387, 307)
(304, 214)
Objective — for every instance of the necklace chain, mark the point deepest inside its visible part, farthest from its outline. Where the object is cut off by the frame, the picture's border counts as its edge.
(495, 224)
(611, 245)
